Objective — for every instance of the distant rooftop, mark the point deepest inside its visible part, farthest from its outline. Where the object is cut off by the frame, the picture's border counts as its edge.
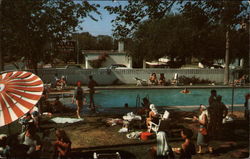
(102, 51)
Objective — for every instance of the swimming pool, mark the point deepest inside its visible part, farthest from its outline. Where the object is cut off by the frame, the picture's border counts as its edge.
(166, 97)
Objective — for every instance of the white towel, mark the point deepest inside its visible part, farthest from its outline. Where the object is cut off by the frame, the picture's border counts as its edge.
(162, 144)
(61, 120)
(131, 116)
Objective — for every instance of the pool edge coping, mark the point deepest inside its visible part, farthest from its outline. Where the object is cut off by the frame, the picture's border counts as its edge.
(166, 87)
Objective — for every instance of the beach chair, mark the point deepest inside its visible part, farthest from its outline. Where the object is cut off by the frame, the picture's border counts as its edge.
(241, 81)
(162, 121)
(175, 80)
(106, 155)
(140, 82)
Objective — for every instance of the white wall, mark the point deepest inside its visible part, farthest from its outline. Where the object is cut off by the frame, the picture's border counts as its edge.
(126, 76)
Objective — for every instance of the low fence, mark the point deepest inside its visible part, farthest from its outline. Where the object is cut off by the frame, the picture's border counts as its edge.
(126, 76)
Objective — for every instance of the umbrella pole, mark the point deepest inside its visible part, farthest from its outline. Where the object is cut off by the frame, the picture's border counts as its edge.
(232, 111)
(9, 131)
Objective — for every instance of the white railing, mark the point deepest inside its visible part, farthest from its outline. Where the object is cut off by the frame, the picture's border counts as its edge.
(126, 76)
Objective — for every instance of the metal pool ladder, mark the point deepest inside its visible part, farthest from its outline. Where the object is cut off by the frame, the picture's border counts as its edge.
(138, 101)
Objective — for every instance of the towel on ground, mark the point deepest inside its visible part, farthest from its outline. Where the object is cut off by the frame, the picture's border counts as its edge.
(131, 116)
(62, 120)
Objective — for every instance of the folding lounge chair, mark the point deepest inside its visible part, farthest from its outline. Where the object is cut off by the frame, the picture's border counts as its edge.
(140, 82)
(163, 119)
(175, 80)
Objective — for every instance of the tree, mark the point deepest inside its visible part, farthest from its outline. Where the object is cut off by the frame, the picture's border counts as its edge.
(240, 43)
(226, 14)
(131, 15)
(206, 24)
(27, 26)
(104, 42)
(163, 38)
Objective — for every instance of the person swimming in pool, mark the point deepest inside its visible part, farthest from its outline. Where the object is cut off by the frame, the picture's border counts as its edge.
(185, 91)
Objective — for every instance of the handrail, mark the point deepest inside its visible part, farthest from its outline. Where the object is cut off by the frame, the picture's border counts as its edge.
(147, 96)
(138, 101)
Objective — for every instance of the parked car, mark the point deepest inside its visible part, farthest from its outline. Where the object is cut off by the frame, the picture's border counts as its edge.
(215, 66)
(116, 66)
(210, 64)
(174, 64)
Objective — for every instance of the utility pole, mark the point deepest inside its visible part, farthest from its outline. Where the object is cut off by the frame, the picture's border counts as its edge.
(226, 71)
(77, 49)
(227, 28)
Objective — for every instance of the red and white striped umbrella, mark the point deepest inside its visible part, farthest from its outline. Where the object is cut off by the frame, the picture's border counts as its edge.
(19, 92)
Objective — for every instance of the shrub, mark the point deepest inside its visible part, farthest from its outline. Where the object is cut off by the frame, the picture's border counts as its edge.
(193, 80)
(97, 63)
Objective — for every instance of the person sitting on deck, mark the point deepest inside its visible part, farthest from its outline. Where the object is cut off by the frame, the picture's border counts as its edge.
(153, 79)
(61, 83)
(144, 111)
(153, 116)
(187, 149)
(4, 147)
(162, 80)
(25, 120)
(32, 140)
(62, 146)
(58, 106)
(185, 91)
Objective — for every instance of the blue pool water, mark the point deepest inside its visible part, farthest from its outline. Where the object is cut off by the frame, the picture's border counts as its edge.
(166, 97)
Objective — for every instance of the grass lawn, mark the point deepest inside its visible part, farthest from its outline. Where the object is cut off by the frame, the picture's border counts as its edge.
(93, 135)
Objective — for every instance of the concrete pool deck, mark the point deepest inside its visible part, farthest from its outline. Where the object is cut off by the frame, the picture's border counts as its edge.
(164, 87)
(168, 87)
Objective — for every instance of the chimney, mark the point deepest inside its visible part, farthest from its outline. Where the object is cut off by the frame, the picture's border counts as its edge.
(121, 46)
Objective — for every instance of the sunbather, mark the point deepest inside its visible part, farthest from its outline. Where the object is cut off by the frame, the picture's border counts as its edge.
(153, 79)
(240, 81)
(153, 115)
(162, 80)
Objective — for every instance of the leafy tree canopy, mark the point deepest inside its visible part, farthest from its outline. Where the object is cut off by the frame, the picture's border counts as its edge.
(198, 30)
(131, 15)
(27, 26)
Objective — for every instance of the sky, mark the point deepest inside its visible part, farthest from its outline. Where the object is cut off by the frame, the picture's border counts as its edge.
(103, 26)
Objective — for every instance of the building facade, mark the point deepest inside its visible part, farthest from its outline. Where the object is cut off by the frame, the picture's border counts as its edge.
(105, 58)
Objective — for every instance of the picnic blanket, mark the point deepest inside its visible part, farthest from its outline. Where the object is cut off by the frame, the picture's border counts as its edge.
(62, 120)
